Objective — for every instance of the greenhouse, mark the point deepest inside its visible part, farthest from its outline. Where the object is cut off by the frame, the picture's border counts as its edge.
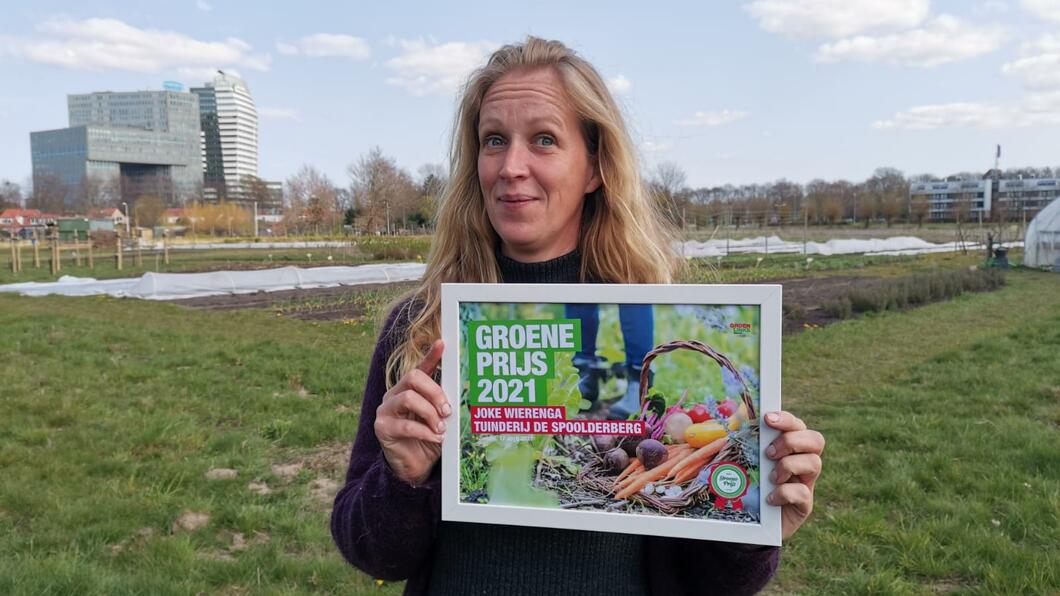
(1041, 246)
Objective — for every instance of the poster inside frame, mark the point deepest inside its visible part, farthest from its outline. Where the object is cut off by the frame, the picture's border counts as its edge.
(526, 444)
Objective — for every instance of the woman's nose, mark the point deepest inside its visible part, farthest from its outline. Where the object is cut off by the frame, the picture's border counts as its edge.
(515, 162)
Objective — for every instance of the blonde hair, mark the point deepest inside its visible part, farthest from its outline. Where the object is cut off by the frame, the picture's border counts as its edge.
(624, 236)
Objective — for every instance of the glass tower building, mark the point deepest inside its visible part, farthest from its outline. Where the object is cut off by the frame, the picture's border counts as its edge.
(142, 142)
(229, 123)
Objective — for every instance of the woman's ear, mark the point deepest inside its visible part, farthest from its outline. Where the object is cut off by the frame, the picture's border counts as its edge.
(594, 179)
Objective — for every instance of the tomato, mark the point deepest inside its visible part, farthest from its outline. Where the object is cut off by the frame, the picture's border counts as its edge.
(699, 413)
(728, 408)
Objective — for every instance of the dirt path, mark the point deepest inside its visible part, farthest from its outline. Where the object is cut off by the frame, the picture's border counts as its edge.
(804, 300)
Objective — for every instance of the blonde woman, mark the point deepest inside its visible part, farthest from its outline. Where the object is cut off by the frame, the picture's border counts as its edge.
(544, 189)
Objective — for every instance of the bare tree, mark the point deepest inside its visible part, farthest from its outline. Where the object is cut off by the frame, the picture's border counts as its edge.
(49, 194)
(10, 195)
(667, 184)
(95, 192)
(308, 186)
(890, 191)
(148, 211)
(382, 192)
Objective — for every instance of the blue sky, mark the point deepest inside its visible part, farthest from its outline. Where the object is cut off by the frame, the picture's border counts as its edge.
(733, 92)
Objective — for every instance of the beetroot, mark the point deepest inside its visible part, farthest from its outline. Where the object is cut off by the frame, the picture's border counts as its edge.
(629, 445)
(651, 453)
(604, 443)
(616, 460)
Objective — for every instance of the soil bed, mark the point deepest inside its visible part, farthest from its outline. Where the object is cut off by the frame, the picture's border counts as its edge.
(803, 300)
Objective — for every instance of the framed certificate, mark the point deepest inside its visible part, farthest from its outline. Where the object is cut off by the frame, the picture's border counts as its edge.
(616, 408)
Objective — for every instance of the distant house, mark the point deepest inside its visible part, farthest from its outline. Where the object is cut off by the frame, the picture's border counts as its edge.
(22, 222)
(172, 216)
(116, 217)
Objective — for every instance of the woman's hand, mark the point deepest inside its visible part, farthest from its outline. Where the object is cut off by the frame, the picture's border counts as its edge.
(797, 452)
(409, 423)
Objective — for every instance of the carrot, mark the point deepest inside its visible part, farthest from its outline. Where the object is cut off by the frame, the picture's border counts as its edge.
(630, 469)
(687, 474)
(678, 455)
(701, 455)
(645, 477)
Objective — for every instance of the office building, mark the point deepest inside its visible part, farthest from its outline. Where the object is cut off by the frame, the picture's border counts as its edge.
(134, 143)
(991, 197)
(229, 123)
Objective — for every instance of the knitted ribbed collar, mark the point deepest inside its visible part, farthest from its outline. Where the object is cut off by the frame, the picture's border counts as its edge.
(561, 270)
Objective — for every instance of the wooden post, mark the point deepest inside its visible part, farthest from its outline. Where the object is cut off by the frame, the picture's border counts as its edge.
(56, 265)
(165, 246)
(77, 249)
(139, 254)
(117, 253)
(36, 248)
(91, 264)
(14, 256)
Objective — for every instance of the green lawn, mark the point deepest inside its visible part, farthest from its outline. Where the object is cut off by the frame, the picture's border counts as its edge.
(942, 467)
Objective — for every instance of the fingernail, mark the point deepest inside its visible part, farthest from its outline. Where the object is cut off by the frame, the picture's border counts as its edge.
(446, 410)
(441, 427)
(773, 417)
(771, 451)
(771, 499)
(773, 475)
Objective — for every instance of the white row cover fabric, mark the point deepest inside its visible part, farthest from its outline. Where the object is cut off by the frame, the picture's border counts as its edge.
(173, 286)
(899, 245)
(1043, 238)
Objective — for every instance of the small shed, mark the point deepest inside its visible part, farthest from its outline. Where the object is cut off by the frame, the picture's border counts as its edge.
(69, 228)
(1041, 246)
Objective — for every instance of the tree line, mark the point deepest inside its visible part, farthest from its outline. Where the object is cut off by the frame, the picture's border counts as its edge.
(380, 196)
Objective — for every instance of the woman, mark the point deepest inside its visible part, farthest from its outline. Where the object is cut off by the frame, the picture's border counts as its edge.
(544, 189)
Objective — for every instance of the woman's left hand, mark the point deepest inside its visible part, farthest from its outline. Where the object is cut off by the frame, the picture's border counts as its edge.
(797, 453)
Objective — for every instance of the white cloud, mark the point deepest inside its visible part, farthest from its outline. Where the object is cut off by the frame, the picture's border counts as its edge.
(104, 44)
(836, 18)
(1039, 67)
(712, 118)
(1046, 9)
(990, 7)
(424, 69)
(327, 45)
(1036, 109)
(203, 5)
(279, 113)
(944, 39)
(619, 85)
(653, 147)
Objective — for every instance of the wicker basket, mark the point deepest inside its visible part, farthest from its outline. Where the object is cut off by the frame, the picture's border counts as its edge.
(593, 473)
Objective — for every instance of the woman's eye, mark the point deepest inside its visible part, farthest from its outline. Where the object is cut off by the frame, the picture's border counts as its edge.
(546, 140)
(493, 141)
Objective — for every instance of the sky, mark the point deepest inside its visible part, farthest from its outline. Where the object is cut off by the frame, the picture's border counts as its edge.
(733, 92)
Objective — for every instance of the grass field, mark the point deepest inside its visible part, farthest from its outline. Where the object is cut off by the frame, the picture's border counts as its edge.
(942, 467)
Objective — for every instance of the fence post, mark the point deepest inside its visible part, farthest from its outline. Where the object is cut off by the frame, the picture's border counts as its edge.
(117, 252)
(165, 247)
(77, 248)
(56, 265)
(14, 256)
(91, 264)
(36, 248)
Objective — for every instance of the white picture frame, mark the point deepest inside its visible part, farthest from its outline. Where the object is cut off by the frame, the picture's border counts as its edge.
(768, 300)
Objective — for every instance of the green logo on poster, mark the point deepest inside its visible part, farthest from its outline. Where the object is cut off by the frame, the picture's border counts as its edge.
(728, 481)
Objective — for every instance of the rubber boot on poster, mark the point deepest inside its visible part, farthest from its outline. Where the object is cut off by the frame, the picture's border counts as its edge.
(590, 375)
(630, 401)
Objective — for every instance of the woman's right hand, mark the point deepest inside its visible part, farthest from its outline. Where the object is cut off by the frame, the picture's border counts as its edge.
(410, 422)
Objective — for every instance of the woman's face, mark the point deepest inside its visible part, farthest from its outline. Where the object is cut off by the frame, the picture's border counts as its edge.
(533, 165)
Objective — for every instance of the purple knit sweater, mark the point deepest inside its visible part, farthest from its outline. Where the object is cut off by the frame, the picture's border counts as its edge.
(391, 530)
